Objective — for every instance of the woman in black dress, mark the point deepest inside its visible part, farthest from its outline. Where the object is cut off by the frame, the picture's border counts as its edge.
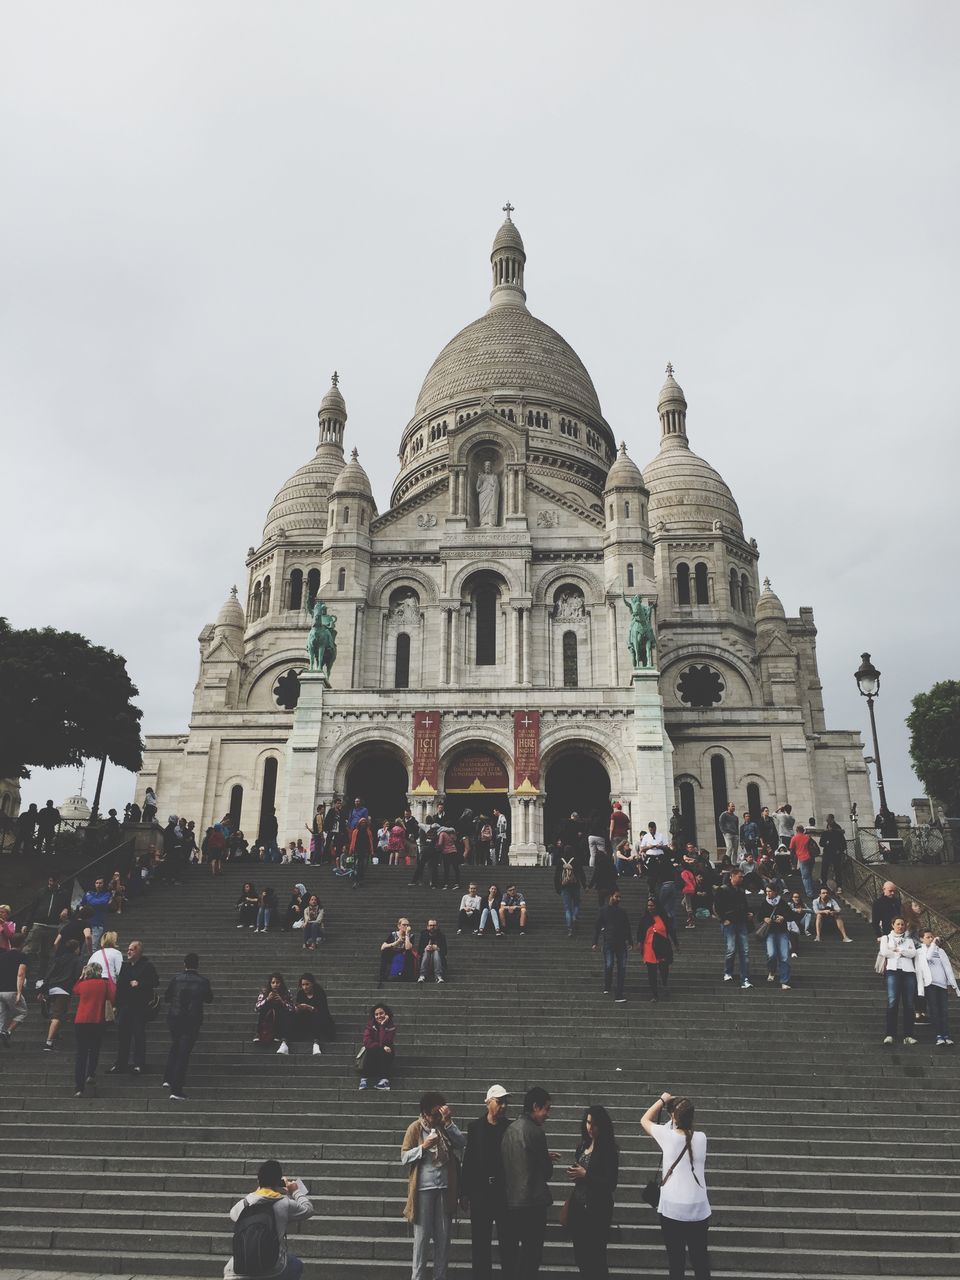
(594, 1172)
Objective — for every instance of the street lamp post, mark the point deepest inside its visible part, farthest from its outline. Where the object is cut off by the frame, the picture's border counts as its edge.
(868, 682)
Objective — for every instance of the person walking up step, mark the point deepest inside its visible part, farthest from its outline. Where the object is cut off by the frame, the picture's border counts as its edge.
(186, 995)
(613, 925)
(735, 915)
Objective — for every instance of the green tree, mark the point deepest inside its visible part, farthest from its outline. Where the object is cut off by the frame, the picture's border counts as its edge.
(934, 725)
(63, 700)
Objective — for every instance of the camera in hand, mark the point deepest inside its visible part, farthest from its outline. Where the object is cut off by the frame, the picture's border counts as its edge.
(668, 1106)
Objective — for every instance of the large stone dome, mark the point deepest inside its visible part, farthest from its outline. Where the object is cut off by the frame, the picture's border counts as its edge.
(508, 350)
(300, 507)
(685, 490)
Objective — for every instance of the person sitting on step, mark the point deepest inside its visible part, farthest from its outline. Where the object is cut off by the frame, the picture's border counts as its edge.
(247, 904)
(294, 910)
(825, 908)
(491, 911)
(626, 860)
(398, 956)
(313, 916)
(266, 906)
(471, 905)
(433, 953)
(378, 1058)
(274, 1003)
(310, 1018)
(513, 910)
(800, 919)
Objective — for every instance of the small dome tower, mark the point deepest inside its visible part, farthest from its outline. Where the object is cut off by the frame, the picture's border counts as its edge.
(507, 259)
(672, 408)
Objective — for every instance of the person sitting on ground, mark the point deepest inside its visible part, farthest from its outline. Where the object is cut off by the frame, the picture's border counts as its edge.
(826, 907)
(266, 906)
(274, 1003)
(398, 956)
(652, 844)
(752, 880)
(383, 840)
(313, 917)
(783, 861)
(379, 1048)
(118, 889)
(471, 905)
(626, 861)
(62, 977)
(491, 911)
(247, 904)
(433, 953)
(310, 1019)
(935, 978)
(703, 896)
(294, 908)
(800, 917)
(513, 910)
(287, 1200)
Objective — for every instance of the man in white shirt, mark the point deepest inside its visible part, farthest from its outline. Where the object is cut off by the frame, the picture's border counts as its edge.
(470, 908)
(826, 907)
(652, 845)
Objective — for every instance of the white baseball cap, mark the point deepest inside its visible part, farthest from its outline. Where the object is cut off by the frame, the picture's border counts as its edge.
(496, 1091)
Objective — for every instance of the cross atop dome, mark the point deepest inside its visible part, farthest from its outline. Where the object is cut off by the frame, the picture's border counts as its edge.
(669, 369)
(335, 378)
(508, 208)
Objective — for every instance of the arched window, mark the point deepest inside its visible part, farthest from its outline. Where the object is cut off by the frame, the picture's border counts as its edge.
(626, 511)
(700, 581)
(265, 607)
(401, 666)
(341, 579)
(268, 795)
(296, 589)
(629, 575)
(313, 586)
(570, 673)
(718, 776)
(611, 509)
(485, 608)
(753, 801)
(734, 590)
(256, 603)
(688, 810)
(236, 806)
(744, 593)
(363, 517)
(346, 515)
(683, 584)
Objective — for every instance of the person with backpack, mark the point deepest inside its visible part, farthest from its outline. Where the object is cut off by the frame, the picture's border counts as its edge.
(186, 995)
(569, 879)
(260, 1226)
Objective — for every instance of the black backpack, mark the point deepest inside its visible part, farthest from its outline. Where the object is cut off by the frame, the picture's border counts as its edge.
(256, 1241)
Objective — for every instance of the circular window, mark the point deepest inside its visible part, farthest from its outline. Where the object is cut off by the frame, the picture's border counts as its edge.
(700, 686)
(287, 690)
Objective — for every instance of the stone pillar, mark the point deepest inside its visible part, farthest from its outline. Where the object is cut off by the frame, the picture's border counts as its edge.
(526, 830)
(516, 646)
(455, 647)
(612, 638)
(444, 646)
(653, 753)
(298, 786)
(525, 623)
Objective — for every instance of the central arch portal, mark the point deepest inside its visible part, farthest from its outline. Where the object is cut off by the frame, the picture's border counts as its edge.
(576, 782)
(380, 779)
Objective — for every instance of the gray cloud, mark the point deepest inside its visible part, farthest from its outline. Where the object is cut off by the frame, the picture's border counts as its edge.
(208, 208)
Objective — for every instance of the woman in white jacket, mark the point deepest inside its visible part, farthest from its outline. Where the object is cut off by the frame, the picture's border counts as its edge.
(935, 978)
(899, 952)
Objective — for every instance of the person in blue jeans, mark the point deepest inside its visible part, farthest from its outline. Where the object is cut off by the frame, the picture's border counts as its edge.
(95, 903)
(776, 914)
(731, 905)
(935, 973)
(899, 952)
(569, 880)
(613, 924)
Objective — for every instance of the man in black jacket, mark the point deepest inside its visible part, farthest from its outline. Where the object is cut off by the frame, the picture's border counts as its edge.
(773, 911)
(46, 912)
(137, 983)
(833, 843)
(614, 923)
(483, 1188)
(886, 908)
(730, 904)
(186, 995)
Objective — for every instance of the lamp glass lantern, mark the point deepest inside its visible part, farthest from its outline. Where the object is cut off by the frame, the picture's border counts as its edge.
(867, 677)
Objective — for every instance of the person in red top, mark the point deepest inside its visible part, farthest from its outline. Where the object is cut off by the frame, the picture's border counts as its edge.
(619, 825)
(800, 847)
(654, 942)
(91, 991)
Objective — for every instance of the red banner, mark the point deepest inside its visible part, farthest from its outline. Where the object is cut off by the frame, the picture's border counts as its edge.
(526, 751)
(426, 751)
(475, 771)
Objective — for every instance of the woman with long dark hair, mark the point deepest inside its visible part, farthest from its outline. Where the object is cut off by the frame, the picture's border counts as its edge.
(684, 1209)
(595, 1170)
(274, 1004)
(310, 1019)
(379, 1058)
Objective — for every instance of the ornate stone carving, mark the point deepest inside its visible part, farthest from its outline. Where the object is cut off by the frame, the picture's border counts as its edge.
(548, 519)
(569, 607)
(426, 520)
(405, 612)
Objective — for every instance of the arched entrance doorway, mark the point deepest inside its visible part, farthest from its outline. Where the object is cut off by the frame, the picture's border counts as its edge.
(380, 779)
(576, 782)
(475, 779)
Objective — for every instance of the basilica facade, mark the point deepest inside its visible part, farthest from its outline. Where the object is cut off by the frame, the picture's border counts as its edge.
(481, 621)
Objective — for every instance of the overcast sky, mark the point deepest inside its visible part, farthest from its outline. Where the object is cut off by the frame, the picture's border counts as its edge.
(207, 208)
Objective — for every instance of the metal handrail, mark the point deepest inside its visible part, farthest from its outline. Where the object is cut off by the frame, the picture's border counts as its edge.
(865, 883)
(120, 852)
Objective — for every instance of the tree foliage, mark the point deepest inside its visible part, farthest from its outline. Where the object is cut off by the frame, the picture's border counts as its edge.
(934, 725)
(63, 700)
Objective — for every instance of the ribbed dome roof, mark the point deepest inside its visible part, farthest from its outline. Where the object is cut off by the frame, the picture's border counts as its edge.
(333, 401)
(769, 606)
(624, 473)
(353, 479)
(508, 349)
(671, 393)
(685, 490)
(508, 237)
(300, 507)
(231, 614)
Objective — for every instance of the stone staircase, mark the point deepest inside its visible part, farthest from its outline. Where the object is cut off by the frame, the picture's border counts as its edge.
(829, 1155)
